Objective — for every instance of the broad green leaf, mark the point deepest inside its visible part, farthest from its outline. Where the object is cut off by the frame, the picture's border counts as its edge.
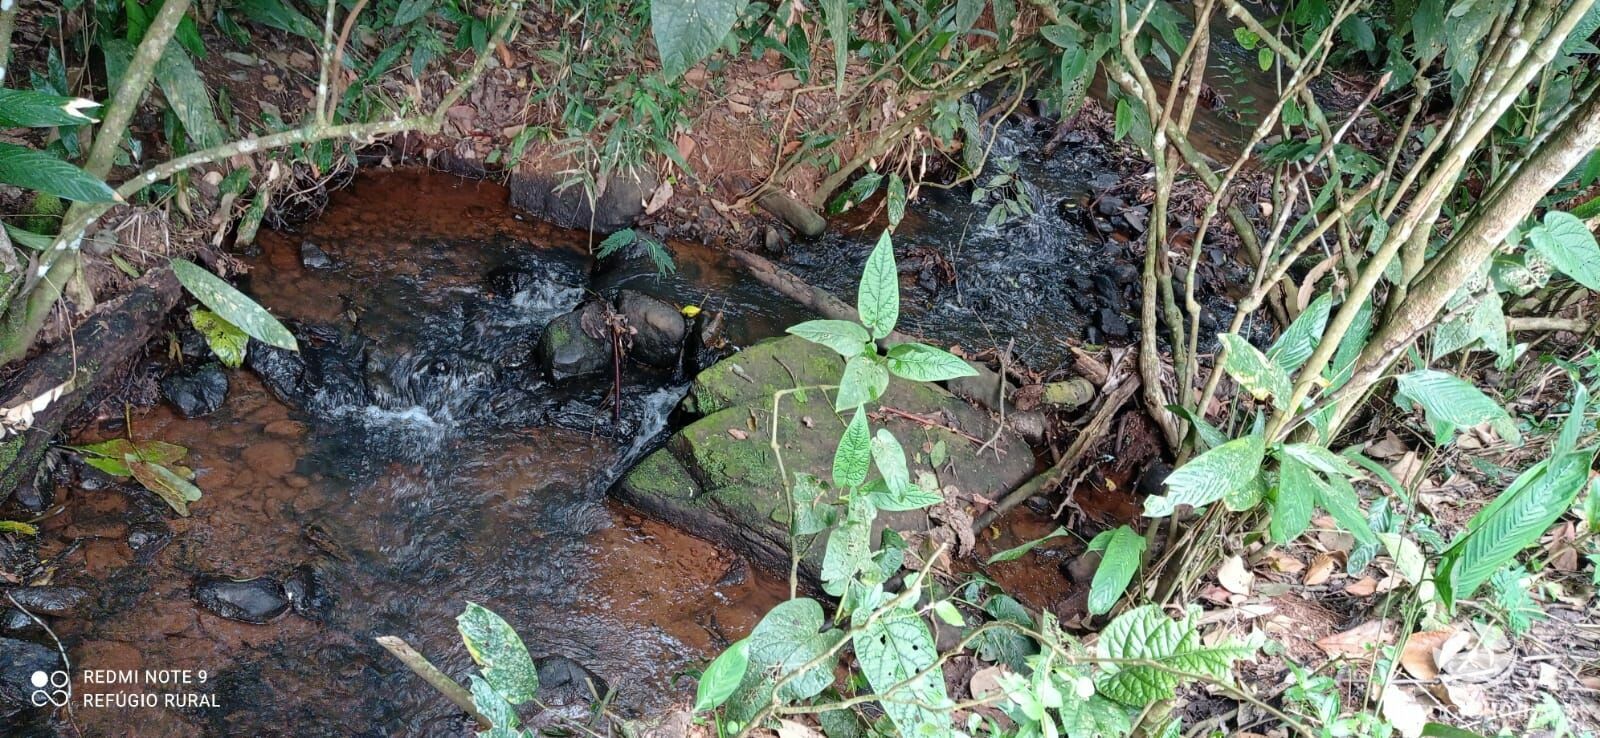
(1339, 498)
(1409, 562)
(905, 497)
(1017, 552)
(166, 483)
(812, 513)
(1251, 369)
(687, 31)
(1573, 427)
(30, 109)
(1117, 567)
(114, 467)
(1319, 458)
(859, 191)
(1440, 730)
(224, 338)
(949, 614)
(865, 379)
(892, 650)
(849, 547)
(1567, 242)
(282, 16)
(923, 363)
(411, 10)
(1146, 633)
(890, 458)
(1513, 522)
(1300, 339)
(1210, 476)
(29, 239)
(155, 452)
(1006, 645)
(1294, 499)
(878, 299)
(233, 306)
(1208, 434)
(853, 457)
(843, 336)
(786, 639)
(896, 200)
(188, 96)
(1449, 400)
(41, 172)
(722, 677)
(502, 716)
(499, 654)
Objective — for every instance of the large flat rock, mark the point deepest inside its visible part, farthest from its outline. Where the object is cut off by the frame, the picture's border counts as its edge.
(718, 477)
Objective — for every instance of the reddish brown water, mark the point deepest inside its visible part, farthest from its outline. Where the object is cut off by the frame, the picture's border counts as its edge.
(408, 512)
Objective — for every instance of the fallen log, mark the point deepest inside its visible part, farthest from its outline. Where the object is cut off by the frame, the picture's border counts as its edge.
(47, 391)
(985, 388)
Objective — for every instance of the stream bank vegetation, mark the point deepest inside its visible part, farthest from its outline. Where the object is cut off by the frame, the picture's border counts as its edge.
(1420, 425)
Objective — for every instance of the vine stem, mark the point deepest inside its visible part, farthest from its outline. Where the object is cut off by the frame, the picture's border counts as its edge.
(788, 489)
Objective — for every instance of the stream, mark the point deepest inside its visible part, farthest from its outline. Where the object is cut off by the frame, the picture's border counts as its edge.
(414, 457)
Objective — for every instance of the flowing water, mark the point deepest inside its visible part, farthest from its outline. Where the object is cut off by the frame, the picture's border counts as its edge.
(413, 458)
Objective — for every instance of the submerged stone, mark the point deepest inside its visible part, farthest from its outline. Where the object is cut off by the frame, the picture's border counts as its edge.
(564, 682)
(313, 257)
(308, 594)
(50, 600)
(567, 351)
(197, 392)
(256, 600)
(20, 662)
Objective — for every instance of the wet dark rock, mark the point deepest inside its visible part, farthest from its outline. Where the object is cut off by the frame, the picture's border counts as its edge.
(1113, 324)
(1109, 205)
(541, 195)
(567, 351)
(49, 600)
(772, 241)
(197, 392)
(19, 661)
(659, 328)
(509, 279)
(1125, 274)
(1152, 478)
(256, 600)
(308, 593)
(15, 621)
(313, 257)
(1109, 291)
(34, 498)
(148, 537)
(564, 682)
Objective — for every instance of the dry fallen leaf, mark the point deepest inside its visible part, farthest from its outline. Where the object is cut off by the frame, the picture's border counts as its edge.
(738, 435)
(1407, 470)
(1234, 576)
(987, 681)
(792, 729)
(1285, 563)
(1404, 711)
(1321, 568)
(1418, 655)
(1389, 448)
(1470, 700)
(1362, 587)
(1359, 642)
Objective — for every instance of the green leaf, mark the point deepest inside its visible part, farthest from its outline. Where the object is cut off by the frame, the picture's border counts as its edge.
(812, 514)
(1224, 470)
(878, 299)
(859, 190)
(722, 677)
(1300, 339)
(155, 452)
(890, 459)
(892, 650)
(896, 200)
(494, 706)
(687, 31)
(1017, 552)
(36, 170)
(1117, 567)
(836, 15)
(1319, 458)
(30, 109)
(1513, 522)
(158, 478)
(905, 497)
(849, 547)
(922, 363)
(1006, 645)
(499, 653)
(1452, 401)
(1251, 369)
(1569, 245)
(1440, 730)
(853, 457)
(788, 638)
(29, 239)
(1146, 633)
(411, 10)
(1339, 498)
(224, 338)
(233, 306)
(187, 95)
(865, 379)
(1207, 433)
(17, 526)
(949, 614)
(1293, 501)
(616, 242)
(843, 336)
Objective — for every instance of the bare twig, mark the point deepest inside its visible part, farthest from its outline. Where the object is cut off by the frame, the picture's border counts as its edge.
(446, 686)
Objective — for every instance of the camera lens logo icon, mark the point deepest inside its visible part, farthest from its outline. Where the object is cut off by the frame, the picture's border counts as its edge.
(51, 688)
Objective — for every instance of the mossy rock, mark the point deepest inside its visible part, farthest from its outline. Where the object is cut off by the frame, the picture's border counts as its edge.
(718, 477)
